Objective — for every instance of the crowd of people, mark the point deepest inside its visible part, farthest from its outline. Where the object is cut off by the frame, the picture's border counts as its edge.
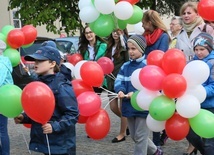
(189, 32)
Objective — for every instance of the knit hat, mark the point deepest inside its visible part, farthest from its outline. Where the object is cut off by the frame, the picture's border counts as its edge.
(139, 41)
(205, 40)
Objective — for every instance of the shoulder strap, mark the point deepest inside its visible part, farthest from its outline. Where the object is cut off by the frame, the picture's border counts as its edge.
(204, 28)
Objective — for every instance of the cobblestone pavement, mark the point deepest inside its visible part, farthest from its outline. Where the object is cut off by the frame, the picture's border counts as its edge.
(19, 138)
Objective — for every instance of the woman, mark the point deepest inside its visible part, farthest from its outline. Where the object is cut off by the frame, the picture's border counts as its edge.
(119, 55)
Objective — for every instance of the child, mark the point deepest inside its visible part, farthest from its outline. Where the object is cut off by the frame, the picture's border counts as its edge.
(136, 119)
(5, 78)
(203, 48)
(61, 127)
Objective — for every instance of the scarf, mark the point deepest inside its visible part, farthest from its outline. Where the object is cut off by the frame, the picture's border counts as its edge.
(151, 38)
(190, 27)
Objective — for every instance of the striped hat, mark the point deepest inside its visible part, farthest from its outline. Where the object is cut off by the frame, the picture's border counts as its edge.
(139, 41)
(205, 40)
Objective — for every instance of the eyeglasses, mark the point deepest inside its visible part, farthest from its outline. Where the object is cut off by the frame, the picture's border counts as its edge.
(173, 24)
(89, 32)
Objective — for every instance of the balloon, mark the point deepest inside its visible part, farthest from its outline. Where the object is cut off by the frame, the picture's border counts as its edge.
(174, 85)
(89, 70)
(138, 29)
(162, 108)
(198, 91)
(15, 38)
(135, 79)
(89, 103)
(205, 9)
(131, 1)
(104, 6)
(188, 106)
(77, 69)
(84, 3)
(136, 16)
(154, 125)
(177, 127)
(98, 125)
(106, 64)
(155, 58)
(196, 72)
(38, 101)
(13, 55)
(121, 24)
(6, 29)
(145, 97)
(173, 61)
(82, 119)
(3, 37)
(75, 58)
(10, 100)
(103, 22)
(134, 101)
(203, 124)
(151, 77)
(69, 66)
(88, 14)
(80, 87)
(30, 34)
(123, 10)
(27, 125)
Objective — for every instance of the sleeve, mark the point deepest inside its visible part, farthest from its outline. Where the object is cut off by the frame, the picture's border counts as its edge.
(119, 84)
(164, 43)
(209, 87)
(67, 105)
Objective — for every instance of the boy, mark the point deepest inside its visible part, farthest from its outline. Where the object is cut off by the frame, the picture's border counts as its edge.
(136, 119)
(61, 126)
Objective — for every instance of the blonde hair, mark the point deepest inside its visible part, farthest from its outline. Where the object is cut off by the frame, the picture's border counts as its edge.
(154, 17)
(192, 5)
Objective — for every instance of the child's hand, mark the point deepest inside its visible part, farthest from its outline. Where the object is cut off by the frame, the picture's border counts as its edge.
(47, 128)
(19, 119)
(121, 94)
(129, 95)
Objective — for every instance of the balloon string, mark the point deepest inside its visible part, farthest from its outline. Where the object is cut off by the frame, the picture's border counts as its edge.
(108, 91)
(109, 102)
(49, 152)
(111, 76)
(26, 143)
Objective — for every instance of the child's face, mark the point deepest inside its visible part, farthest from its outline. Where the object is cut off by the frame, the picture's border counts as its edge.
(44, 67)
(134, 53)
(201, 52)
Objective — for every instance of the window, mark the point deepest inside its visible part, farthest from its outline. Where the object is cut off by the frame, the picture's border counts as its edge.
(16, 20)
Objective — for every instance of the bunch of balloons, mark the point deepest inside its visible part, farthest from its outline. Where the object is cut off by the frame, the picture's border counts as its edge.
(109, 14)
(15, 38)
(171, 90)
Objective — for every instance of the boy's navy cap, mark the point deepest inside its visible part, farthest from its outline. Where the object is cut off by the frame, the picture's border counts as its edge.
(45, 53)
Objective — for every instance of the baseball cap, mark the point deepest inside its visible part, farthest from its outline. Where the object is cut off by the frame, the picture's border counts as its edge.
(49, 43)
(45, 53)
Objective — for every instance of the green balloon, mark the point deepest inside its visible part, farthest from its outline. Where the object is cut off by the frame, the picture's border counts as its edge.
(136, 16)
(6, 29)
(203, 124)
(121, 24)
(103, 26)
(10, 100)
(162, 108)
(13, 55)
(134, 102)
(2, 37)
(28, 45)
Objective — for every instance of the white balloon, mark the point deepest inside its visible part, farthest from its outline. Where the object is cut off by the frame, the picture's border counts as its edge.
(88, 14)
(77, 69)
(135, 80)
(138, 29)
(188, 106)
(198, 91)
(196, 72)
(84, 3)
(154, 125)
(104, 6)
(69, 66)
(123, 10)
(145, 97)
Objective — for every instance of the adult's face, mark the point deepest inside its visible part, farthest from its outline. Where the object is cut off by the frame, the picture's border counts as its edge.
(175, 26)
(189, 15)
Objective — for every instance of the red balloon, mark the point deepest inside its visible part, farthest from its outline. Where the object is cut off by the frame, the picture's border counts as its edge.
(173, 61)
(89, 103)
(74, 58)
(155, 58)
(92, 74)
(38, 101)
(174, 85)
(15, 38)
(205, 9)
(82, 119)
(177, 127)
(79, 86)
(131, 1)
(27, 125)
(98, 125)
(30, 34)
(151, 77)
(106, 64)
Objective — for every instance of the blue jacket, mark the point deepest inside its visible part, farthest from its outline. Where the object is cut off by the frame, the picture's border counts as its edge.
(5, 71)
(63, 138)
(123, 83)
(209, 83)
(161, 44)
